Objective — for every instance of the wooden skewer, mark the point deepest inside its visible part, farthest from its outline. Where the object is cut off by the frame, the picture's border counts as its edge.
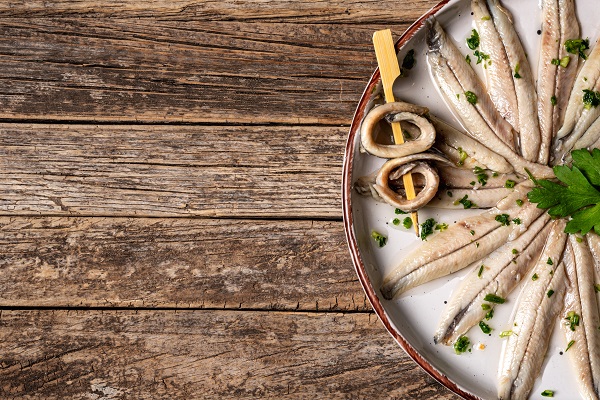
(389, 71)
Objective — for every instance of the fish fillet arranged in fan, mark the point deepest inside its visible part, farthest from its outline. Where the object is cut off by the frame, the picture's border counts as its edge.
(508, 73)
(496, 274)
(581, 320)
(555, 81)
(464, 91)
(538, 307)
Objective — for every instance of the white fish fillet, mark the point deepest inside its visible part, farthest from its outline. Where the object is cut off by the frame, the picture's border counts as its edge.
(584, 351)
(497, 274)
(524, 351)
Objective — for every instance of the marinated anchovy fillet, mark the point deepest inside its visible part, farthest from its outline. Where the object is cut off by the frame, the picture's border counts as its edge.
(538, 306)
(497, 274)
(460, 245)
(469, 198)
(559, 24)
(522, 78)
(498, 72)
(468, 147)
(454, 76)
(581, 321)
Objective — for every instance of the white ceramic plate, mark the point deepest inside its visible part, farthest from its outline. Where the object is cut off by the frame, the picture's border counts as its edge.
(413, 317)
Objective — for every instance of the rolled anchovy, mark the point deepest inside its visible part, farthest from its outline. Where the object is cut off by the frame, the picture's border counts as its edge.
(496, 274)
(559, 23)
(581, 321)
(454, 76)
(401, 111)
(538, 306)
(522, 78)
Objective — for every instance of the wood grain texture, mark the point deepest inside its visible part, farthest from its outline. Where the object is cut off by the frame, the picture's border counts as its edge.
(218, 354)
(241, 171)
(198, 263)
(205, 66)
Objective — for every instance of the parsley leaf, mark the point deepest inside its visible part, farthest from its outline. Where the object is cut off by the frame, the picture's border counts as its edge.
(575, 195)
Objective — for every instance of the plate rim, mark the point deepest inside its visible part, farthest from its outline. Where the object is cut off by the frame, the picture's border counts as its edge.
(357, 261)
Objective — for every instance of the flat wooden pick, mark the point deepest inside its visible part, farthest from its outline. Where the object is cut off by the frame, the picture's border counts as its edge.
(389, 70)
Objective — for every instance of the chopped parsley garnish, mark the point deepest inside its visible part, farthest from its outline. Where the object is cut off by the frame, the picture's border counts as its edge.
(480, 271)
(399, 211)
(575, 195)
(549, 262)
(471, 97)
(515, 251)
(550, 293)
(379, 238)
(462, 156)
(468, 58)
(563, 62)
(590, 99)
(504, 334)
(472, 232)
(571, 343)
(492, 298)
(516, 221)
(427, 228)
(597, 287)
(486, 307)
(482, 57)
(482, 177)
(466, 203)
(407, 222)
(485, 328)
(396, 221)
(462, 345)
(573, 320)
(449, 193)
(486, 18)
(553, 100)
(578, 239)
(577, 46)
(489, 315)
(473, 41)
(504, 219)
(510, 184)
(441, 227)
(534, 277)
(548, 393)
(517, 68)
(519, 202)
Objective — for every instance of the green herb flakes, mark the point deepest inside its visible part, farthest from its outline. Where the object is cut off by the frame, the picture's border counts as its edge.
(549, 262)
(468, 59)
(516, 221)
(441, 227)
(473, 41)
(486, 307)
(399, 211)
(515, 251)
(449, 193)
(571, 343)
(379, 238)
(509, 184)
(472, 232)
(517, 68)
(427, 228)
(548, 393)
(550, 293)
(578, 46)
(466, 203)
(597, 287)
(407, 222)
(471, 97)
(519, 202)
(504, 334)
(492, 298)
(462, 156)
(489, 315)
(590, 99)
(504, 219)
(563, 62)
(553, 100)
(485, 328)
(396, 221)
(572, 319)
(534, 277)
(461, 345)
(480, 271)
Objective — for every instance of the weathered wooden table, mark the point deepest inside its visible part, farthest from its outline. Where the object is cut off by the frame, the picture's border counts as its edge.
(170, 198)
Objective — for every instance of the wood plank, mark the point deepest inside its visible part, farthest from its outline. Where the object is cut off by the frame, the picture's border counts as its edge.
(208, 354)
(227, 171)
(300, 11)
(198, 263)
(129, 70)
